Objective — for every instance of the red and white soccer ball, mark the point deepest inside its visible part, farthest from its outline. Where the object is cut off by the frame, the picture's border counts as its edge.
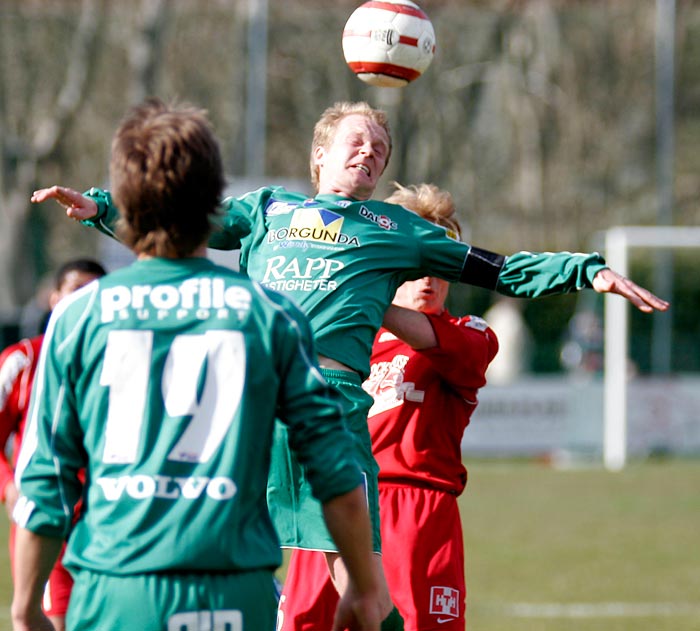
(388, 43)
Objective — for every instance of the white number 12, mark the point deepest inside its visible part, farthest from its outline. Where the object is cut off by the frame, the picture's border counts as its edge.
(126, 371)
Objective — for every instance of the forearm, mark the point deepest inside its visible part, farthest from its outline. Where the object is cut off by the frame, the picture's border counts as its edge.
(413, 327)
(35, 555)
(106, 216)
(230, 225)
(534, 274)
(530, 275)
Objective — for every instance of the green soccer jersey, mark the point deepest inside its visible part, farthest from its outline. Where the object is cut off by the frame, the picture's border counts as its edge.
(341, 260)
(161, 381)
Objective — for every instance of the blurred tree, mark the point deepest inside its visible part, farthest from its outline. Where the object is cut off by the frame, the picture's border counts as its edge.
(35, 115)
(145, 50)
(538, 116)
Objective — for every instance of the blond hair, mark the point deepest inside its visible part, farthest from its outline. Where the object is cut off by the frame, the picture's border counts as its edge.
(431, 203)
(324, 130)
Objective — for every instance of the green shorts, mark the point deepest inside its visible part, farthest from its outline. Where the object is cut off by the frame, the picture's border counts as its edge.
(164, 602)
(297, 515)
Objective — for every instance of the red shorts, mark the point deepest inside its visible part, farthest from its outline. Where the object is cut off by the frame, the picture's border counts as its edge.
(309, 598)
(58, 587)
(423, 556)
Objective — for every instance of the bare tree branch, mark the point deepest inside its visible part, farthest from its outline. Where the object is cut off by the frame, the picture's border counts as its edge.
(21, 158)
(52, 129)
(145, 50)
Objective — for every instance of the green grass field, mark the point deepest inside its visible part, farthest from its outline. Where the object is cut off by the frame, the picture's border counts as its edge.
(583, 550)
(577, 550)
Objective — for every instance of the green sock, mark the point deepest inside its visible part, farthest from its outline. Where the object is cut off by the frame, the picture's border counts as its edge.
(393, 622)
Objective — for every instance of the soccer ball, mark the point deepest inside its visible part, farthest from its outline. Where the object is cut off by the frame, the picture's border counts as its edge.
(388, 43)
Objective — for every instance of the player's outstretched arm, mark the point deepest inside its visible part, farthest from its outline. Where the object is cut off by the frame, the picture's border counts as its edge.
(77, 206)
(609, 281)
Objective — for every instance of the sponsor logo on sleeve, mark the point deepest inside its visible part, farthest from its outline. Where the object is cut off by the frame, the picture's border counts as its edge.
(475, 322)
(275, 208)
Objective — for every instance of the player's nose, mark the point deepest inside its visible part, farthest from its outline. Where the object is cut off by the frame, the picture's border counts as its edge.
(367, 149)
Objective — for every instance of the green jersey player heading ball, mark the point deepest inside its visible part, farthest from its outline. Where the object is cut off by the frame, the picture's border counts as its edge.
(162, 381)
(341, 256)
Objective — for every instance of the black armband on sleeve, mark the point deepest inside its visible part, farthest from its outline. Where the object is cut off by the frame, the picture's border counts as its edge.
(481, 268)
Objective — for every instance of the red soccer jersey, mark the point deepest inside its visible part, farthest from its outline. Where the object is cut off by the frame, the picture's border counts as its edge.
(17, 365)
(423, 401)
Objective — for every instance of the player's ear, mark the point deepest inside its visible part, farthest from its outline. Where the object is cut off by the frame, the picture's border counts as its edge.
(319, 153)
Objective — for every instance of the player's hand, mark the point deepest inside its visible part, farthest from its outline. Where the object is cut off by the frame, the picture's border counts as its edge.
(34, 622)
(77, 206)
(609, 281)
(358, 613)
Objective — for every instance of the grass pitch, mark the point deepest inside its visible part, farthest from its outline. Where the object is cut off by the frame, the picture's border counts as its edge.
(576, 550)
(583, 550)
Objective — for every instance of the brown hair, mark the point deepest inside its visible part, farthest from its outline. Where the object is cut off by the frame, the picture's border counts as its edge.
(166, 177)
(430, 202)
(324, 130)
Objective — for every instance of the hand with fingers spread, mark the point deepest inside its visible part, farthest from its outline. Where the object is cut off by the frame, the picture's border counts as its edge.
(77, 206)
(609, 281)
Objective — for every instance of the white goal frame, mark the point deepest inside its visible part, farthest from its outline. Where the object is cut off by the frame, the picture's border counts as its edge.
(618, 242)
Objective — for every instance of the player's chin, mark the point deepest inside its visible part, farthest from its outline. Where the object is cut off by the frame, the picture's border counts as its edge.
(362, 190)
(363, 178)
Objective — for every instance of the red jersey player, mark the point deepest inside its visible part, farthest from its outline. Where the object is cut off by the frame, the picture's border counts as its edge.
(17, 365)
(425, 389)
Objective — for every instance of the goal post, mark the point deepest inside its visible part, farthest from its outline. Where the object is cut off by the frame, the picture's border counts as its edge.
(618, 242)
